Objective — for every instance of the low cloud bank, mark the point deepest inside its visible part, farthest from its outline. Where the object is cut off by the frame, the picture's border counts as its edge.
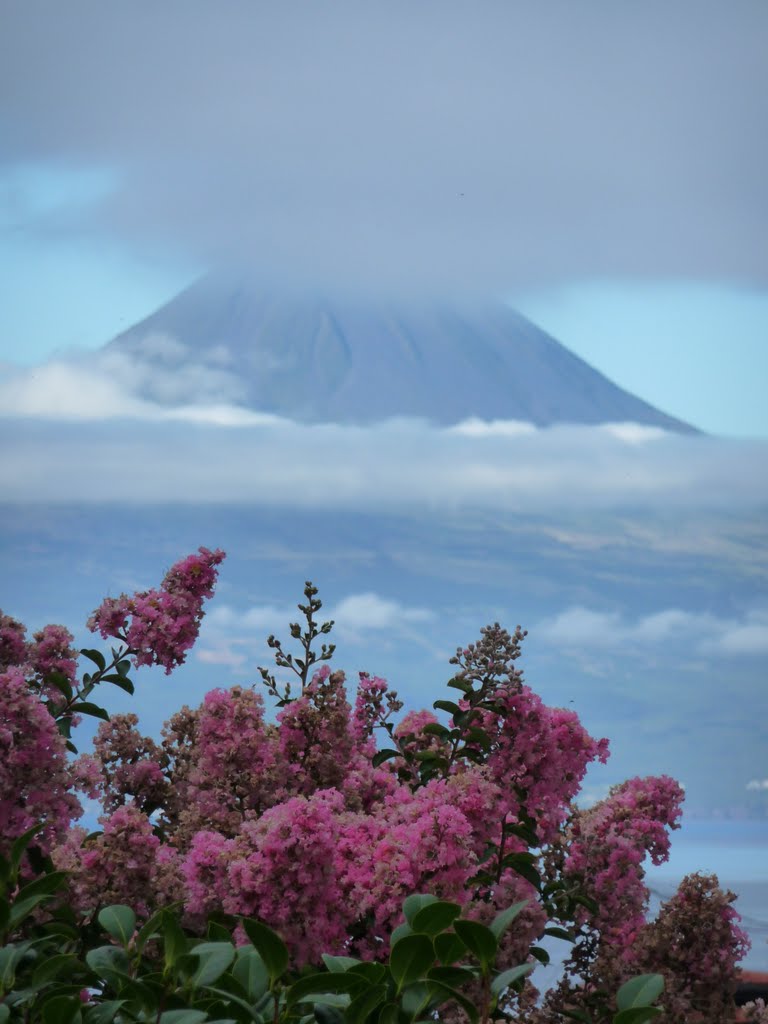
(106, 428)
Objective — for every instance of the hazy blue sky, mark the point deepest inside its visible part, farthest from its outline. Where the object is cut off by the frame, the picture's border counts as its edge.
(599, 163)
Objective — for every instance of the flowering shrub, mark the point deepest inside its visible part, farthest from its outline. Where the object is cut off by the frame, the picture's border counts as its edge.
(306, 826)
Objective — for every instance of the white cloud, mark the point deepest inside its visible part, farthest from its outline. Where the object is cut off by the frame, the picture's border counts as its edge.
(578, 627)
(758, 784)
(369, 611)
(221, 655)
(475, 427)
(749, 637)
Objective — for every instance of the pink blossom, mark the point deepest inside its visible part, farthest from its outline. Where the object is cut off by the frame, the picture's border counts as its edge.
(13, 644)
(161, 625)
(34, 780)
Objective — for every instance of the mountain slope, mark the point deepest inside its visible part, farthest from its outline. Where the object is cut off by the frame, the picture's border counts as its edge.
(318, 359)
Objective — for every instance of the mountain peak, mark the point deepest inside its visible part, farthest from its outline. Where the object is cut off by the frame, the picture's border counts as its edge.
(317, 358)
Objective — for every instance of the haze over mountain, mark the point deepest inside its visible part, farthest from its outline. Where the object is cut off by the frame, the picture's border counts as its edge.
(321, 359)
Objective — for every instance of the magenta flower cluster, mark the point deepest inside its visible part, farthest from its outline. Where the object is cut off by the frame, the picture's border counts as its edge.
(161, 625)
(296, 822)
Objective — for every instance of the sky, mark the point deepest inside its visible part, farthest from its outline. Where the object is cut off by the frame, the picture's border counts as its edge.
(597, 165)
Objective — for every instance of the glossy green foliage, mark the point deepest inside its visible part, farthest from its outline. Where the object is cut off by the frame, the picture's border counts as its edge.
(111, 972)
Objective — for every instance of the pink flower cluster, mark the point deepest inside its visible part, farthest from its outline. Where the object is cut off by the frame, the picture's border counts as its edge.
(119, 866)
(159, 626)
(34, 780)
(610, 842)
(292, 823)
(49, 650)
(13, 643)
(543, 751)
(696, 943)
(233, 776)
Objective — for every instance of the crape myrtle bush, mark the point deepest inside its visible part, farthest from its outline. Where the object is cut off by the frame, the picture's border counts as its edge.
(311, 829)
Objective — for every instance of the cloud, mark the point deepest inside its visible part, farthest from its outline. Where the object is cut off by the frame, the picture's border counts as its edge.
(582, 628)
(360, 612)
(228, 632)
(760, 785)
(412, 145)
(110, 385)
(81, 432)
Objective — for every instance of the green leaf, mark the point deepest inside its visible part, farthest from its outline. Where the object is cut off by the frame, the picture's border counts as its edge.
(540, 954)
(251, 972)
(636, 1015)
(410, 958)
(270, 946)
(524, 832)
(230, 998)
(457, 683)
(441, 993)
(435, 917)
(183, 1017)
(61, 682)
(5, 1013)
(109, 963)
(507, 978)
(325, 1014)
(414, 903)
(384, 755)
(5, 915)
(451, 976)
(371, 972)
(640, 991)
(319, 984)
(50, 968)
(364, 1004)
(587, 902)
(175, 942)
(32, 895)
(400, 932)
(338, 964)
(559, 933)
(435, 729)
(522, 864)
(390, 1014)
(449, 947)
(119, 680)
(103, 1013)
(217, 932)
(96, 657)
(85, 707)
(215, 958)
(503, 920)
(448, 705)
(414, 999)
(152, 926)
(18, 848)
(120, 921)
(9, 958)
(479, 939)
(63, 1010)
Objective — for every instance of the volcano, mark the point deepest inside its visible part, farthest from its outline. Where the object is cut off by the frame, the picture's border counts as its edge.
(320, 359)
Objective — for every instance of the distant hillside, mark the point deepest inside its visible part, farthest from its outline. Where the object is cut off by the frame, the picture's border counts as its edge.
(321, 359)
